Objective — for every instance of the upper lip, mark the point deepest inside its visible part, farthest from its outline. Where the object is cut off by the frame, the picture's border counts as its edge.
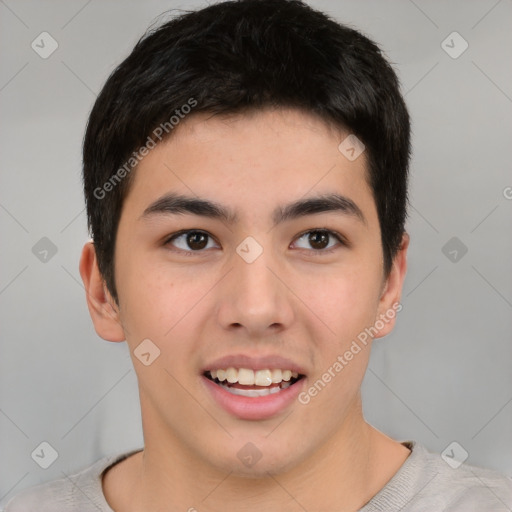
(254, 363)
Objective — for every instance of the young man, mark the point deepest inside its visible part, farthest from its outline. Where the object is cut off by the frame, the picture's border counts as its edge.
(245, 174)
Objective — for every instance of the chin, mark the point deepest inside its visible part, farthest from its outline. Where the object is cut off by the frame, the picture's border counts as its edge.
(243, 459)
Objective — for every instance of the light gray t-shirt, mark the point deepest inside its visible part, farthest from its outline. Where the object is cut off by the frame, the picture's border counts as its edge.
(424, 483)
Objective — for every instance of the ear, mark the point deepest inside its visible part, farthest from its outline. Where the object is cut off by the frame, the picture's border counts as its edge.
(389, 302)
(102, 308)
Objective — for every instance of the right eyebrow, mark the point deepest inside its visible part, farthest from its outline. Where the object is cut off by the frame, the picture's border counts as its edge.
(178, 204)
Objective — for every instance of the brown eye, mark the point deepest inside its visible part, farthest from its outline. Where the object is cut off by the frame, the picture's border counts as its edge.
(318, 239)
(197, 240)
(191, 241)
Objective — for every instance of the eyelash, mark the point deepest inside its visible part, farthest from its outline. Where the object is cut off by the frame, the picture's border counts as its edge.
(316, 252)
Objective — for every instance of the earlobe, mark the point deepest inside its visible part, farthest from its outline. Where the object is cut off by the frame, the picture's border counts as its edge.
(389, 302)
(102, 308)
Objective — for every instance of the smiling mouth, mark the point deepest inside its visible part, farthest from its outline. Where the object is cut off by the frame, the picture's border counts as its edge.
(253, 383)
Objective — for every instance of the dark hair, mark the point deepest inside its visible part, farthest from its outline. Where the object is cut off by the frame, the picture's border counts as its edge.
(232, 57)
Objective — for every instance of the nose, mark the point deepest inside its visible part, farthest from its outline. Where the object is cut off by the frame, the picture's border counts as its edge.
(254, 297)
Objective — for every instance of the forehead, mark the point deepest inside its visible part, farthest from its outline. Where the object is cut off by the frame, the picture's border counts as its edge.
(251, 162)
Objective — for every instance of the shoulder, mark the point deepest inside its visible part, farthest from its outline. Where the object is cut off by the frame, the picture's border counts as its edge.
(428, 482)
(80, 492)
(466, 487)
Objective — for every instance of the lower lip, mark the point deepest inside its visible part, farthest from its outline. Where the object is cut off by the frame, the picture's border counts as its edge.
(253, 408)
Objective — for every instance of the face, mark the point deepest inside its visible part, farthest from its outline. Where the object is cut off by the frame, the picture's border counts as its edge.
(249, 259)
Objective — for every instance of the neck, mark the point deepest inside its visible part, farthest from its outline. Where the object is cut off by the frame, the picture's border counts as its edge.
(344, 473)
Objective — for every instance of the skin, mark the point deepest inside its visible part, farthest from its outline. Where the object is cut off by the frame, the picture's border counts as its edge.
(292, 301)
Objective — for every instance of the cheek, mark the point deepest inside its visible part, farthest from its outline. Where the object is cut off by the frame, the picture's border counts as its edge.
(164, 307)
(344, 302)
(157, 309)
(347, 306)
(147, 304)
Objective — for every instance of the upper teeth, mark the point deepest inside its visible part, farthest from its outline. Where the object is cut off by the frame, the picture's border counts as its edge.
(248, 377)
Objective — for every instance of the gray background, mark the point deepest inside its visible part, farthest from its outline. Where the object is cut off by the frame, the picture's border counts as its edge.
(443, 375)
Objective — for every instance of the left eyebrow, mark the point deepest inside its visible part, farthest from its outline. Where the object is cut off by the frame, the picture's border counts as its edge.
(324, 203)
(173, 204)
